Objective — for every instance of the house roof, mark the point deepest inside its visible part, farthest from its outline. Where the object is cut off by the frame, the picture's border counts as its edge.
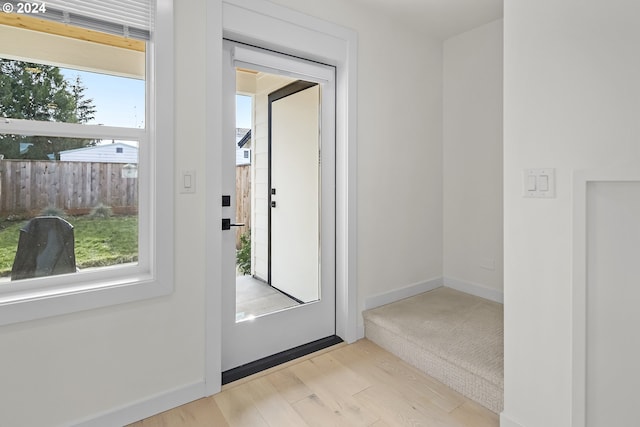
(94, 147)
(240, 132)
(245, 139)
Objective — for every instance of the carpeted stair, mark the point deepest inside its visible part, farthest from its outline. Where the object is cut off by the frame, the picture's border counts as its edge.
(452, 336)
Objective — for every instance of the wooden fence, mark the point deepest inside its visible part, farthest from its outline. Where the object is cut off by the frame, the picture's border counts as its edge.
(28, 187)
(243, 200)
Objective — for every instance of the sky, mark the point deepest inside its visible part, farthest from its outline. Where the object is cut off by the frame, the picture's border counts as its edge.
(243, 111)
(119, 101)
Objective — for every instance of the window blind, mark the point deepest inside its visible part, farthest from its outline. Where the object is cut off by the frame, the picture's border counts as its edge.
(128, 18)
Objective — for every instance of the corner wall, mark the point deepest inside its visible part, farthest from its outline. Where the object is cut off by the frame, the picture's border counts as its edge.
(472, 173)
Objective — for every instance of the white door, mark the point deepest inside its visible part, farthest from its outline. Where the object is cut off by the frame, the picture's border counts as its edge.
(294, 214)
(302, 236)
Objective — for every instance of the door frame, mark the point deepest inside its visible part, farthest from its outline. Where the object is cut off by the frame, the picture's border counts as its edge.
(271, 26)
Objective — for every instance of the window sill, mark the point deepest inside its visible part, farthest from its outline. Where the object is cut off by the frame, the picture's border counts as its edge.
(78, 292)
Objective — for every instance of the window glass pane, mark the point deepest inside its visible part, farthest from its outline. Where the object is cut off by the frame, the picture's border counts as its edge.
(33, 91)
(91, 184)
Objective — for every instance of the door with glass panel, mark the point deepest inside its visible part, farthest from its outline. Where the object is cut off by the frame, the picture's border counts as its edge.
(278, 203)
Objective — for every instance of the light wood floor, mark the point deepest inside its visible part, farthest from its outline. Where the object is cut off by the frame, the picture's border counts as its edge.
(352, 385)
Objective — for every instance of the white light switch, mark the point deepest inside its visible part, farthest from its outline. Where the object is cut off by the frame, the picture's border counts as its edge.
(543, 181)
(188, 184)
(540, 183)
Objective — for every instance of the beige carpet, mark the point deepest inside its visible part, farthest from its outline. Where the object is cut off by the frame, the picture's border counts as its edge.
(455, 337)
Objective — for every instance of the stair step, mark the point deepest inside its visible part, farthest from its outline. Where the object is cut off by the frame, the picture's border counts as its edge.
(452, 336)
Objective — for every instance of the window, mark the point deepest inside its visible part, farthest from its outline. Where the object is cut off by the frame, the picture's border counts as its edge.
(83, 136)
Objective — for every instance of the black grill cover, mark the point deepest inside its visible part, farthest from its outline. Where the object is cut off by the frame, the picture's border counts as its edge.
(46, 247)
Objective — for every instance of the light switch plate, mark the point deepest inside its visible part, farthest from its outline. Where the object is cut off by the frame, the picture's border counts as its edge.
(545, 183)
(187, 182)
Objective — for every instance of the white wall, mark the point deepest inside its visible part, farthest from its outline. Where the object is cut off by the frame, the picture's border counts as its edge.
(472, 136)
(399, 112)
(572, 101)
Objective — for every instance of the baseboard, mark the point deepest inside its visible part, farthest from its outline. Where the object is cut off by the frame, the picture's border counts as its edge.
(145, 408)
(474, 289)
(505, 421)
(360, 330)
(402, 293)
(396, 295)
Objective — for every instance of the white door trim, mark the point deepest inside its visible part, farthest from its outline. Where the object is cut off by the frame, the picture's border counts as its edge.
(275, 27)
(581, 180)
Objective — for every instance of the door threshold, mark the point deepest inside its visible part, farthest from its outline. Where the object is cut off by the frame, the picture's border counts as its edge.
(265, 363)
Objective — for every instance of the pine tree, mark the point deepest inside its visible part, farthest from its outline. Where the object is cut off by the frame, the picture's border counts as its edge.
(85, 109)
(40, 92)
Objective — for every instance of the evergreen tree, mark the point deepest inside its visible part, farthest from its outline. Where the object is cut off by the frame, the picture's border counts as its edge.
(40, 92)
(85, 109)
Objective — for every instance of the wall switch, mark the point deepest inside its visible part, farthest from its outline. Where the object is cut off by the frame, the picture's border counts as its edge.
(540, 183)
(544, 182)
(188, 181)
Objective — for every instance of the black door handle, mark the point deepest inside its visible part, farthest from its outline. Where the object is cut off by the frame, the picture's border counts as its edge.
(226, 224)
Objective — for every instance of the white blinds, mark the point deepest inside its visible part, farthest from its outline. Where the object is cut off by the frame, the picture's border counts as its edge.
(129, 18)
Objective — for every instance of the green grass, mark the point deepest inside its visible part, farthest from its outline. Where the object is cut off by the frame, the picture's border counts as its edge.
(98, 242)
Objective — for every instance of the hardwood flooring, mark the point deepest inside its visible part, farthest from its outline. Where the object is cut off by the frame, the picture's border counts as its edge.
(351, 385)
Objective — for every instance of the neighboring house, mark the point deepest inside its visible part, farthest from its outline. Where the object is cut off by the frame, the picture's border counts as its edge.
(243, 149)
(116, 152)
